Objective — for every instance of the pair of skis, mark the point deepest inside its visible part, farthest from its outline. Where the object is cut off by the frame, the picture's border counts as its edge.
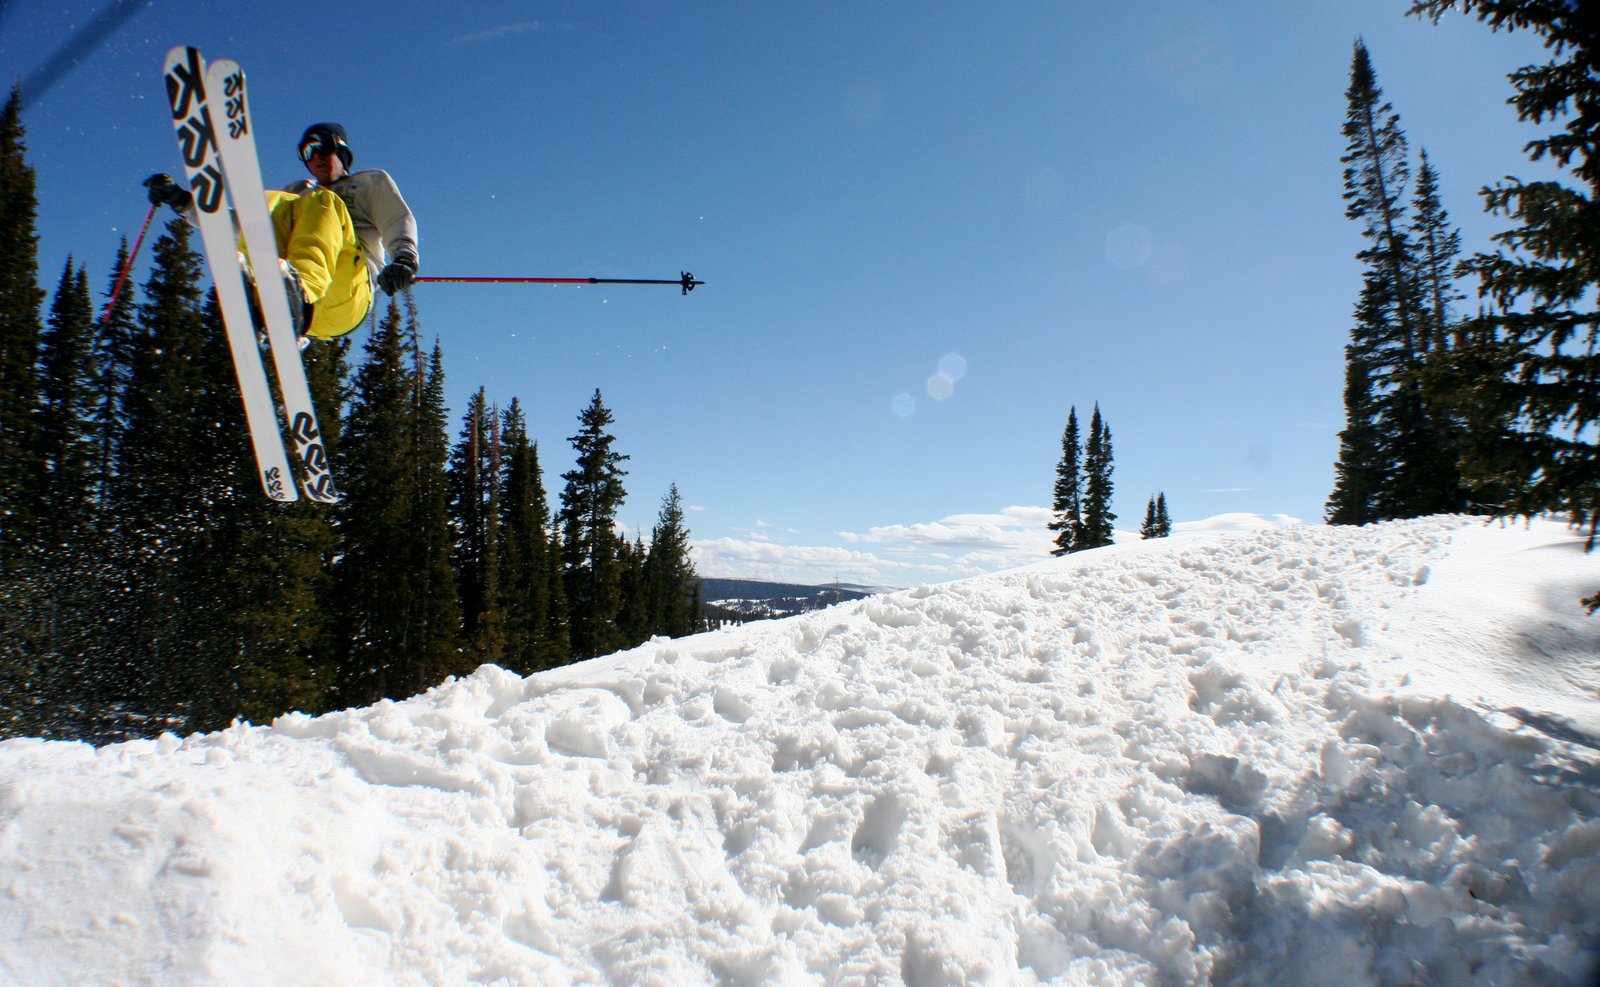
(211, 116)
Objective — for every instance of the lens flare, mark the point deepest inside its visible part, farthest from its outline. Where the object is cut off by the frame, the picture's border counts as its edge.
(1128, 246)
(953, 365)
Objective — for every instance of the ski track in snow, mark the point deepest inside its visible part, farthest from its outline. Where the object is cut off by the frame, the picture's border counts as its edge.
(1302, 755)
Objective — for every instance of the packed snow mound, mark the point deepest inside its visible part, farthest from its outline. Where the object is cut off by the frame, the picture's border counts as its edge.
(1301, 755)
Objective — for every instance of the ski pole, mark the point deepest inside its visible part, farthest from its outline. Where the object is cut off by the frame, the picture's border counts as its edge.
(122, 276)
(687, 281)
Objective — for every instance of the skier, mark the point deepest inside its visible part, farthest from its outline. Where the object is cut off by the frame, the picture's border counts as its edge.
(338, 233)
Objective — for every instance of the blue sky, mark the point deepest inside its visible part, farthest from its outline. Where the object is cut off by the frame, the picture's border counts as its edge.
(927, 230)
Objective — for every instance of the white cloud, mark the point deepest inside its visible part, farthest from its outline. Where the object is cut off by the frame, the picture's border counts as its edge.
(496, 33)
(952, 547)
(766, 559)
(932, 551)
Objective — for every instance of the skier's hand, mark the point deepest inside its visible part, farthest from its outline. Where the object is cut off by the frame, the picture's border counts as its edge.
(397, 277)
(166, 192)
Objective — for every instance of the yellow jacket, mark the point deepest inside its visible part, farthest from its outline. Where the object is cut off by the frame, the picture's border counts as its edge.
(316, 236)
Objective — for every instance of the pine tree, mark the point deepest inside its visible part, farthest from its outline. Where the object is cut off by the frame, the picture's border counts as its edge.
(55, 597)
(1157, 524)
(590, 546)
(1067, 500)
(165, 379)
(1097, 486)
(374, 587)
(1360, 471)
(1540, 341)
(399, 616)
(63, 487)
(439, 612)
(20, 298)
(671, 585)
(281, 573)
(558, 628)
(167, 484)
(59, 615)
(633, 616)
(534, 632)
(113, 355)
(252, 570)
(1377, 172)
(475, 481)
(1399, 450)
(1437, 247)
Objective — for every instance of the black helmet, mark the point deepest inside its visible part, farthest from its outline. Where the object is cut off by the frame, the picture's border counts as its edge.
(325, 137)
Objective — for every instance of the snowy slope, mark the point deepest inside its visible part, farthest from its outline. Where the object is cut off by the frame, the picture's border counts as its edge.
(1300, 755)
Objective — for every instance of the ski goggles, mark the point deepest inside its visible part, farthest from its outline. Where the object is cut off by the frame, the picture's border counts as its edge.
(323, 144)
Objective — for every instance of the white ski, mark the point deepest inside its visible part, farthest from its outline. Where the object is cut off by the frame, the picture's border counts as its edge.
(237, 140)
(197, 141)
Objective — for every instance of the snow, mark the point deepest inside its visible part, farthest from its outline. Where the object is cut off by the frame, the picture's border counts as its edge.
(1246, 754)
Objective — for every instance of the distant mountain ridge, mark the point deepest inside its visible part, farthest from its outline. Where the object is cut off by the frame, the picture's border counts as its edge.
(739, 600)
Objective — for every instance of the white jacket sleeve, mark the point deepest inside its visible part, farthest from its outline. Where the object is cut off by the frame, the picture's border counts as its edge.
(392, 217)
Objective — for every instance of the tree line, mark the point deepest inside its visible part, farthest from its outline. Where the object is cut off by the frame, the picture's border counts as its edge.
(145, 583)
(1489, 408)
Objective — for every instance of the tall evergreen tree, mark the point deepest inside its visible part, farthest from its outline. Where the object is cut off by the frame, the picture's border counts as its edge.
(1066, 502)
(591, 548)
(20, 298)
(671, 585)
(374, 584)
(1377, 172)
(633, 616)
(280, 572)
(558, 627)
(1097, 485)
(251, 569)
(114, 342)
(63, 486)
(475, 482)
(1398, 452)
(535, 631)
(1361, 469)
(1543, 331)
(1437, 245)
(51, 598)
(397, 591)
(166, 377)
(59, 615)
(166, 491)
(439, 613)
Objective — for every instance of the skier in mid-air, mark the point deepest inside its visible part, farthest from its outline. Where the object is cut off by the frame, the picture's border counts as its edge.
(338, 233)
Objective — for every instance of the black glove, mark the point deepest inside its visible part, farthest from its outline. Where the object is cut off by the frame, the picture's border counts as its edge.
(397, 277)
(166, 192)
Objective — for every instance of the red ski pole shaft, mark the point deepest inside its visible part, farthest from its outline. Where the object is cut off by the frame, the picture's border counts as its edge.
(504, 280)
(686, 281)
(122, 276)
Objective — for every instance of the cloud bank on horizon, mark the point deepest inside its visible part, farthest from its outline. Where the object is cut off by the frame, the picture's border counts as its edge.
(953, 547)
